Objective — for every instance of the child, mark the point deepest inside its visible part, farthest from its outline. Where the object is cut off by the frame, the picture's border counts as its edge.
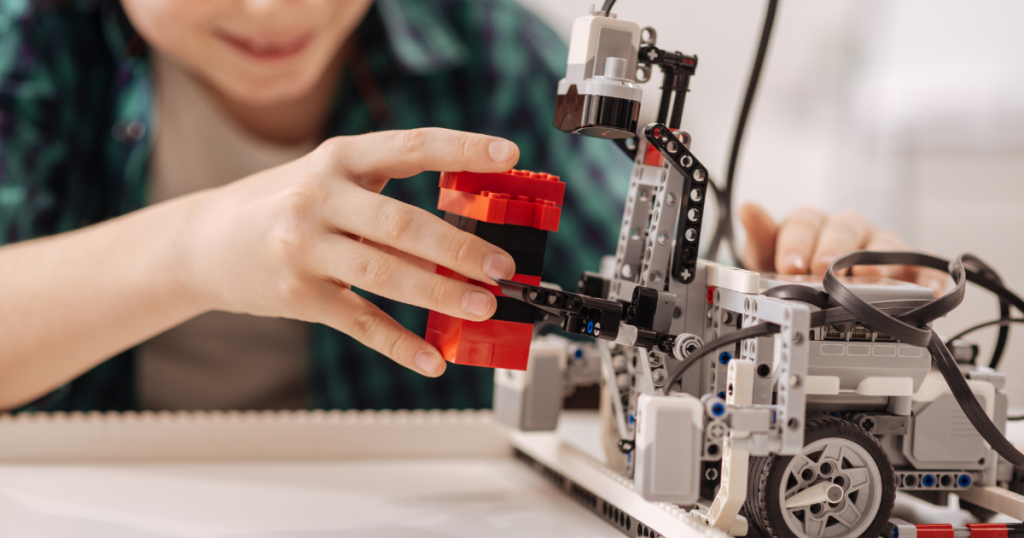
(183, 183)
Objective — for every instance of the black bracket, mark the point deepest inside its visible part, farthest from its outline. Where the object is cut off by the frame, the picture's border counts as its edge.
(695, 185)
(580, 314)
(677, 69)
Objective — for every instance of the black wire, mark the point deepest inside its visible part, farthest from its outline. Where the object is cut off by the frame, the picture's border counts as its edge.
(1004, 309)
(607, 7)
(804, 294)
(912, 327)
(906, 321)
(762, 329)
(1005, 322)
(714, 188)
(829, 316)
(724, 230)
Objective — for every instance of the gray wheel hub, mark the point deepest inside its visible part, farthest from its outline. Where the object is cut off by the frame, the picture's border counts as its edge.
(847, 465)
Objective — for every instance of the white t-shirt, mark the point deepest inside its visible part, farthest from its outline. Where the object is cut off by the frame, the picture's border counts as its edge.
(217, 360)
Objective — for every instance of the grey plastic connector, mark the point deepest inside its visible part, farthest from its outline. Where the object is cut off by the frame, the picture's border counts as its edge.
(685, 344)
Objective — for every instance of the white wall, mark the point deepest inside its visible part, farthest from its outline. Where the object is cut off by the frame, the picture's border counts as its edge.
(940, 104)
(910, 111)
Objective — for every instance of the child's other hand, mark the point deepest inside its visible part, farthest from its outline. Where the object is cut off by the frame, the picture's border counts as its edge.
(808, 240)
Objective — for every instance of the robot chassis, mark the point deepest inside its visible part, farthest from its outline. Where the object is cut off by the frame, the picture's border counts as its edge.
(807, 429)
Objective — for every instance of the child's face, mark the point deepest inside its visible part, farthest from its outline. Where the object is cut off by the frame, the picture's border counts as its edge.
(259, 52)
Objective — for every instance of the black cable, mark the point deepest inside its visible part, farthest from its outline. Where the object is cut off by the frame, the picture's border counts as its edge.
(804, 294)
(762, 329)
(912, 327)
(724, 229)
(1004, 309)
(1003, 322)
(607, 7)
(906, 321)
(714, 187)
(829, 316)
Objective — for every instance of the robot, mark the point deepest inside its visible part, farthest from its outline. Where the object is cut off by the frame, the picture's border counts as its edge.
(797, 406)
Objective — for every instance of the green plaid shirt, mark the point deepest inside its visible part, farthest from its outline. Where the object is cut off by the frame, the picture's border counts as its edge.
(76, 99)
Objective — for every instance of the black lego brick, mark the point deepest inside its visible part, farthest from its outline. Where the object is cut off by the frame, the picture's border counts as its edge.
(510, 309)
(511, 237)
(527, 263)
(642, 308)
(593, 285)
(525, 245)
(453, 219)
(468, 225)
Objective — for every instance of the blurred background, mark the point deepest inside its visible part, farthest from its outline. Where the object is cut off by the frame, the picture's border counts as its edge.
(908, 111)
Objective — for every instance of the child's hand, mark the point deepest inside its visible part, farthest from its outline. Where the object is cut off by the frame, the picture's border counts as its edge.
(290, 241)
(808, 240)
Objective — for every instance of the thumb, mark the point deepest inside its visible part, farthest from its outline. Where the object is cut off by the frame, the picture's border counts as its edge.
(759, 254)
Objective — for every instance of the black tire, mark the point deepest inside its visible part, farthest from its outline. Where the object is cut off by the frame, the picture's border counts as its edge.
(765, 503)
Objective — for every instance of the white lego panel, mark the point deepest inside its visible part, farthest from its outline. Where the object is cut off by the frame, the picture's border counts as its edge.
(886, 386)
(731, 278)
(427, 498)
(735, 460)
(665, 519)
(996, 499)
(822, 384)
(240, 436)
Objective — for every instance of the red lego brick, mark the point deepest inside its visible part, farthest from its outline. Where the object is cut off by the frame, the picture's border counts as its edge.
(941, 530)
(458, 351)
(514, 183)
(474, 343)
(510, 357)
(982, 530)
(519, 211)
(493, 331)
(526, 279)
(519, 198)
(653, 157)
(473, 354)
(442, 323)
(474, 206)
(445, 343)
(547, 216)
(500, 208)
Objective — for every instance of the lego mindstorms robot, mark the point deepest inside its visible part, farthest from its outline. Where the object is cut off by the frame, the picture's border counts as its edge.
(794, 405)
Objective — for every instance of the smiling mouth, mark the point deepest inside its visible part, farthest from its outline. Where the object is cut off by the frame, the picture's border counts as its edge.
(268, 49)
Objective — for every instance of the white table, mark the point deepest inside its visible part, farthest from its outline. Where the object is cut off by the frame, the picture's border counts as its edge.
(145, 476)
(301, 475)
